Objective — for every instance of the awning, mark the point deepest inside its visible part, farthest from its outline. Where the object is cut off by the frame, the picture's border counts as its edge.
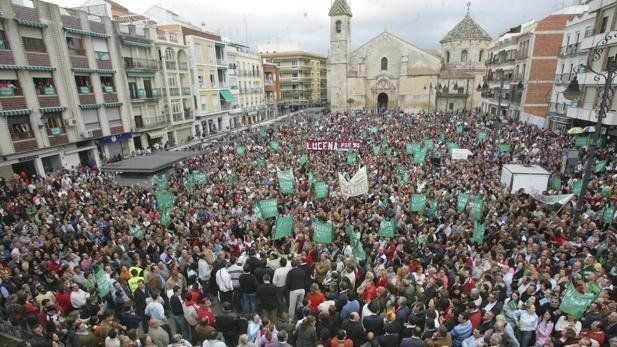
(30, 23)
(139, 74)
(136, 43)
(52, 109)
(155, 135)
(86, 33)
(18, 112)
(89, 106)
(26, 67)
(227, 95)
(99, 71)
(112, 104)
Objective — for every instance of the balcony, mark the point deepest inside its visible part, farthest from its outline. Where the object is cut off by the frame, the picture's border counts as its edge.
(170, 65)
(140, 64)
(564, 78)
(559, 108)
(78, 61)
(25, 145)
(178, 116)
(57, 140)
(569, 50)
(12, 99)
(150, 122)
(220, 61)
(452, 95)
(48, 97)
(186, 91)
(188, 114)
(591, 115)
(38, 59)
(141, 94)
(174, 91)
(182, 65)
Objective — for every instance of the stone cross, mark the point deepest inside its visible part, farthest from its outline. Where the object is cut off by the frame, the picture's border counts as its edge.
(468, 6)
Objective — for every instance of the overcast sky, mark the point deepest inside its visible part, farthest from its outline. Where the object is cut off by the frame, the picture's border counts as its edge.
(421, 22)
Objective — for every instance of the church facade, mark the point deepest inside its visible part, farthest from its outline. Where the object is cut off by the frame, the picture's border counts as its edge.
(388, 72)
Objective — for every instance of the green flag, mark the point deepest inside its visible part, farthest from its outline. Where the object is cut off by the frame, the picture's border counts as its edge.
(165, 217)
(478, 232)
(504, 147)
(376, 150)
(409, 149)
(600, 166)
(274, 146)
(160, 183)
(459, 129)
(373, 130)
(303, 159)
(321, 190)
(240, 149)
(136, 232)
(386, 228)
(403, 177)
(608, 214)
(417, 202)
(581, 141)
(429, 144)
(451, 146)
(164, 200)
(102, 285)
(311, 179)
(351, 157)
(606, 192)
(322, 232)
(577, 186)
(284, 227)
(262, 133)
(268, 208)
(189, 182)
(200, 177)
(461, 202)
(419, 155)
(574, 303)
(477, 209)
(260, 162)
(286, 181)
(555, 183)
(482, 136)
(356, 245)
(358, 119)
(388, 152)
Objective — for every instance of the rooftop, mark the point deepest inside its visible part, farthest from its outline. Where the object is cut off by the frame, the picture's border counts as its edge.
(159, 161)
(465, 30)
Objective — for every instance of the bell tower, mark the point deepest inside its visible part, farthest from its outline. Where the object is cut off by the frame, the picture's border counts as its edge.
(340, 53)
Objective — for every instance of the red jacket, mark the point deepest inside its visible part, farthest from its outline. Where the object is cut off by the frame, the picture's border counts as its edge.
(475, 319)
(64, 302)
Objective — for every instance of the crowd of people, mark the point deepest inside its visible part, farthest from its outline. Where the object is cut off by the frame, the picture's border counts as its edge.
(215, 276)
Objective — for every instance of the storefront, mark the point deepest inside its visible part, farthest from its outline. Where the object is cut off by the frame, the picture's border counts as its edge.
(114, 146)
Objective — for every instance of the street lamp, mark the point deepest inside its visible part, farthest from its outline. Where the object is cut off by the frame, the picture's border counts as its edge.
(572, 93)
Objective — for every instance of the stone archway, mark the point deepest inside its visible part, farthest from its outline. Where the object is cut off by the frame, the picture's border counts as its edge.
(382, 101)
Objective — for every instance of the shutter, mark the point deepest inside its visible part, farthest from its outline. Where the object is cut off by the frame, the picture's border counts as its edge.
(100, 45)
(90, 116)
(113, 114)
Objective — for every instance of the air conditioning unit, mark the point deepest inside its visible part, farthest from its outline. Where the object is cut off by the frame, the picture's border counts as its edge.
(87, 134)
(71, 122)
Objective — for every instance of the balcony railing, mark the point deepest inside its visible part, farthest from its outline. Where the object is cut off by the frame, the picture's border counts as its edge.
(452, 95)
(182, 65)
(146, 93)
(560, 108)
(564, 77)
(150, 122)
(589, 32)
(170, 65)
(140, 64)
(569, 50)
(174, 91)
(178, 116)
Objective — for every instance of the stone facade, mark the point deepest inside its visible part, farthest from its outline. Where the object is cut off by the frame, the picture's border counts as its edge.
(388, 72)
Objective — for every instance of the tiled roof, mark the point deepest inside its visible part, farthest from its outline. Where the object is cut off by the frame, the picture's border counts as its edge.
(340, 8)
(465, 30)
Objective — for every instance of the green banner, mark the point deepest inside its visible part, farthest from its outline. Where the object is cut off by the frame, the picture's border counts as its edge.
(274, 146)
(260, 162)
(102, 285)
(303, 159)
(388, 152)
(268, 208)
(321, 190)
(376, 150)
(284, 227)
(322, 232)
(386, 228)
(403, 177)
(286, 182)
(477, 209)
(479, 229)
(577, 185)
(504, 147)
(409, 149)
(574, 303)
(600, 166)
(160, 183)
(419, 155)
(429, 144)
(136, 232)
(451, 146)
(555, 183)
(165, 217)
(164, 200)
(373, 130)
(459, 129)
(417, 202)
(608, 214)
(581, 141)
(482, 136)
(262, 133)
(461, 201)
(240, 150)
(351, 157)
(356, 245)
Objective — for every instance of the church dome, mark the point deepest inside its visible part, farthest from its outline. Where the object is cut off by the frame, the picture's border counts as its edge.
(467, 29)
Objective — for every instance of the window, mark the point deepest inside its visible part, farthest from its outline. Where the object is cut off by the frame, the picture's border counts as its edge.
(464, 56)
(108, 84)
(133, 90)
(384, 64)
(604, 25)
(338, 26)
(91, 119)
(83, 84)
(481, 55)
(10, 88)
(20, 128)
(75, 45)
(447, 57)
(32, 44)
(54, 124)
(44, 86)
(4, 42)
(169, 54)
(113, 116)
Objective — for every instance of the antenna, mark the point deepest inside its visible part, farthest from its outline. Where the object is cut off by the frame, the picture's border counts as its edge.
(468, 6)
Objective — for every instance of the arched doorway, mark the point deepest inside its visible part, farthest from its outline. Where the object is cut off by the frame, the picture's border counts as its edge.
(382, 101)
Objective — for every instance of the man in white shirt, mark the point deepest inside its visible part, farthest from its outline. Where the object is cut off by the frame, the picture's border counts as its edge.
(226, 288)
(280, 281)
(78, 296)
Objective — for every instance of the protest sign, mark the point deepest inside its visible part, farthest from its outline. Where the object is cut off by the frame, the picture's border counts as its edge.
(268, 208)
(351, 157)
(574, 303)
(357, 185)
(460, 153)
(322, 232)
(356, 245)
(386, 228)
(284, 227)
(417, 202)
(461, 202)
(478, 232)
(102, 284)
(321, 190)
(477, 209)
(607, 215)
(330, 145)
(286, 181)
(274, 146)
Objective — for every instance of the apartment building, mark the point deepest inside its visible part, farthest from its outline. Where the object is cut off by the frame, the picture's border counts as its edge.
(303, 75)
(62, 104)
(272, 88)
(522, 65)
(246, 82)
(582, 34)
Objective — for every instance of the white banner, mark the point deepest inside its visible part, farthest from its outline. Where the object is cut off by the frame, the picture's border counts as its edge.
(561, 199)
(357, 185)
(460, 154)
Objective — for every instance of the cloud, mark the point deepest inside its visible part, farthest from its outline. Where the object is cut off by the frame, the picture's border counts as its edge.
(421, 22)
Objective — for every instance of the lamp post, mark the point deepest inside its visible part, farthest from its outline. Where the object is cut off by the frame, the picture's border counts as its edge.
(572, 93)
